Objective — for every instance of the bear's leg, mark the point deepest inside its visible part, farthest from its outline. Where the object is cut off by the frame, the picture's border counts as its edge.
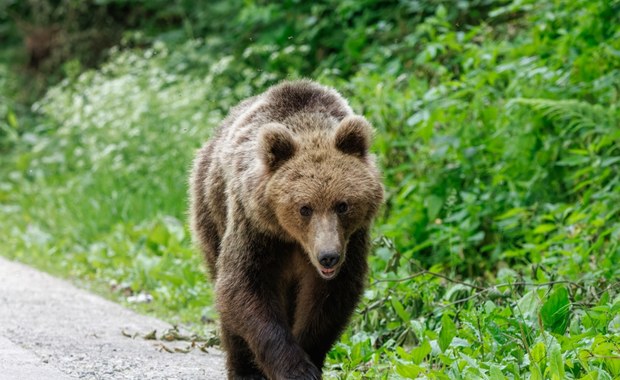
(321, 315)
(250, 307)
(239, 360)
(256, 317)
(325, 306)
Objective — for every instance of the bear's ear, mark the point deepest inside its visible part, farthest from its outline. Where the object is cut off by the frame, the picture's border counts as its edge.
(353, 136)
(276, 145)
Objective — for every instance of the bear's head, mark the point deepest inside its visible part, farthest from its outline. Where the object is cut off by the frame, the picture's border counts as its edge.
(323, 184)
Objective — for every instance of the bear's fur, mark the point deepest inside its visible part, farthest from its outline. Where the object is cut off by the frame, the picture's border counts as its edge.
(282, 199)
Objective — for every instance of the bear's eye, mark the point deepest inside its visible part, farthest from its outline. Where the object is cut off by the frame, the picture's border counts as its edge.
(305, 211)
(342, 207)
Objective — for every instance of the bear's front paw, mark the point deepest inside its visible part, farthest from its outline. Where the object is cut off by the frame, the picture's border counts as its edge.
(305, 370)
(247, 377)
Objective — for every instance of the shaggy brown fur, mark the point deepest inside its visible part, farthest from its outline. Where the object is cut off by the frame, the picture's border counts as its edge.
(282, 198)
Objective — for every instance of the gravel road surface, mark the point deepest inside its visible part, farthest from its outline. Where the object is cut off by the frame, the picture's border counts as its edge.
(49, 329)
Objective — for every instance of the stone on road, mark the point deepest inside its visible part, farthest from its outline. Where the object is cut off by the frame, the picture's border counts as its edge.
(49, 329)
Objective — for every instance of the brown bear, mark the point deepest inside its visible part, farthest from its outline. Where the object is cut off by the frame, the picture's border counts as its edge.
(282, 199)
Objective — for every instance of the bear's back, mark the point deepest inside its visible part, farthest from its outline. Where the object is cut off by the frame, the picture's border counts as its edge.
(281, 103)
(290, 98)
(299, 105)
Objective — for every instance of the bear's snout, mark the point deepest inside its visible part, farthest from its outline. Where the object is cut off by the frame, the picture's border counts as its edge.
(328, 245)
(329, 259)
(328, 263)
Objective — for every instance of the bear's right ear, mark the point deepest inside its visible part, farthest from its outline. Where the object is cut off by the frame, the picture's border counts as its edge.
(276, 145)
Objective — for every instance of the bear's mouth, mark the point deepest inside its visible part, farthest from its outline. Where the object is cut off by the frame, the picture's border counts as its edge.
(327, 273)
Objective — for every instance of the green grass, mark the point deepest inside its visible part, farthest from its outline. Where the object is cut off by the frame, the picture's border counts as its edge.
(496, 255)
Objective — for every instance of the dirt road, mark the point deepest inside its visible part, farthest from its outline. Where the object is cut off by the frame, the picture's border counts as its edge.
(49, 329)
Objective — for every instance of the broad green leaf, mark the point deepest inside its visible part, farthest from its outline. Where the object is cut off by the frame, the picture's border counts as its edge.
(159, 234)
(447, 333)
(612, 363)
(535, 373)
(607, 348)
(556, 362)
(590, 376)
(495, 373)
(598, 374)
(512, 212)
(610, 161)
(555, 311)
(433, 204)
(576, 217)
(544, 228)
(573, 161)
(498, 334)
(538, 352)
(400, 310)
(419, 353)
(408, 370)
(528, 305)
(12, 119)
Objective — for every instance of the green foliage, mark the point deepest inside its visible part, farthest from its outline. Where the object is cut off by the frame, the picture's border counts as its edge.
(498, 132)
(9, 125)
(555, 311)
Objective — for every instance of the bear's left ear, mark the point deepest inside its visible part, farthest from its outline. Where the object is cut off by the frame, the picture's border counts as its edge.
(276, 145)
(353, 136)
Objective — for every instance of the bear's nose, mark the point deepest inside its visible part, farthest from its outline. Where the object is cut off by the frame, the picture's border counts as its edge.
(329, 259)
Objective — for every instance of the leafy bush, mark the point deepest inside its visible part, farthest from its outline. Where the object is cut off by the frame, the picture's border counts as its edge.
(497, 130)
